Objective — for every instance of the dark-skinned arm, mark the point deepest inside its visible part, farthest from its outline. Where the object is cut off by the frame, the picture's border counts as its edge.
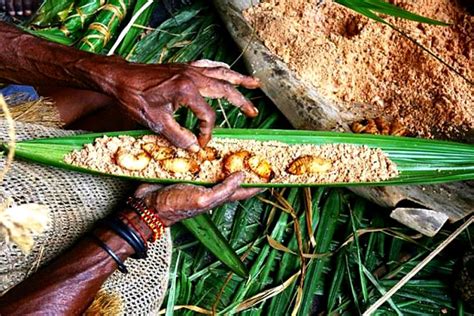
(68, 284)
(149, 93)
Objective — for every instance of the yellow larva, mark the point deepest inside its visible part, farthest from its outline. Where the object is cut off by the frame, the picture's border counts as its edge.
(180, 165)
(132, 162)
(158, 152)
(261, 167)
(309, 164)
(234, 162)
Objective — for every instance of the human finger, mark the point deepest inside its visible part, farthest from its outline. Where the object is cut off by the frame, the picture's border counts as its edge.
(176, 134)
(221, 89)
(221, 192)
(207, 63)
(10, 7)
(3, 7)
(245, 193)
(205, 115)
(28, 7)
(18, 4)
(233, 77)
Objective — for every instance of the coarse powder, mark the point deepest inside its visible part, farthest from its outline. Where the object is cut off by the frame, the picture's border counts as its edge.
(350, 163)
(364, 64)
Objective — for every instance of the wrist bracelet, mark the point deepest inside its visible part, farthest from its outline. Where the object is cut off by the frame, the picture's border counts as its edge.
(148, 216)
(124, 217)
(121, 266)
(127, 234)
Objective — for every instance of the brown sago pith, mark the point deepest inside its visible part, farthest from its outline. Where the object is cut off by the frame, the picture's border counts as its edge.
(370, 68)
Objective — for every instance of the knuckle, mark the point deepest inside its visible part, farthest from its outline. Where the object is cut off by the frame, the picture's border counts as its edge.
(184, 84)
(227, 88)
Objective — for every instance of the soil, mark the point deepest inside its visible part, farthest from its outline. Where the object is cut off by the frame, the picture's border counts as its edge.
(349, 163)
(366, 64)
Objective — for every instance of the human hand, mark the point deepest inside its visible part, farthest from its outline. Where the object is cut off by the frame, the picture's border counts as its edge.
(18, 7)
(152, 93)
(181, 201)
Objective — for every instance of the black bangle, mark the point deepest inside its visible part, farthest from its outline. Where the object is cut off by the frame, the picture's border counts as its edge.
(127, 234)
(121, 266)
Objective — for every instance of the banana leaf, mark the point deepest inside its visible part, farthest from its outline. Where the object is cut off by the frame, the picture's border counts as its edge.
(419, 161)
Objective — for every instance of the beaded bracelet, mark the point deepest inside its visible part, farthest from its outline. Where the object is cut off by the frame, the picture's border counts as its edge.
(121, 266)
(148, 216)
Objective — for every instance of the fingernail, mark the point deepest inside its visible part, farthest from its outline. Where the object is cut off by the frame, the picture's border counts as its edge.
(28, 12)
(254, 112)
(194, 148)
(19, 13)
(12, 13)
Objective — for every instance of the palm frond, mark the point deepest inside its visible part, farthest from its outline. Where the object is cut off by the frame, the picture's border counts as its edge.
(419, 161)
(372, 9)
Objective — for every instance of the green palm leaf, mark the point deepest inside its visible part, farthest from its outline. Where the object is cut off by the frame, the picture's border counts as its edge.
(370, 8)
(420, 161)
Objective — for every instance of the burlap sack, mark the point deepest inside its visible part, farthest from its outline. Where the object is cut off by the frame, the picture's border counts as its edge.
(76, 201)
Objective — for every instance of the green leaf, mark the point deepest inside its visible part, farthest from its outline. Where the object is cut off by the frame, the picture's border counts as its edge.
(380, 288)
(52, 35)
(135, 31)
(420, 161)
(51, 11)
(246, 224)
(172, 291)
(289, 263)
(154, 46)
(369, 8)
(204, 229)
(358, 209)
(337, 278)
(324, 235)
(258, 265)
(94, 40)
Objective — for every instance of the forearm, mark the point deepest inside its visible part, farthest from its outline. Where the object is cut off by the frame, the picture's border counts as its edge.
(67, 285)
(27, 59)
